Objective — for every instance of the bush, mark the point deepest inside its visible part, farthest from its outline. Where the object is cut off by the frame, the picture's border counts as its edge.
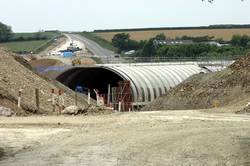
(5, 32)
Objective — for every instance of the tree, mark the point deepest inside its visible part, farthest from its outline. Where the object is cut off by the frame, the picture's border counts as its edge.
(238, 40)
(123, 42)
(120, 40)
(149, 48)
(160, 36)
(5, 32)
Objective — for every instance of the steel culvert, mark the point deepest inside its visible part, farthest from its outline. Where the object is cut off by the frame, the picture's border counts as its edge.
(148, 81)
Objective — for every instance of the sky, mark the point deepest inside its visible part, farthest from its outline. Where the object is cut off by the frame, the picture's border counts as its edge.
(88, 15)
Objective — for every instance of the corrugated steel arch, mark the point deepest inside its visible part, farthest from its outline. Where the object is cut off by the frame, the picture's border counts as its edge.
(148, 81)
(168, 78)
(133, 78)
(160, 83)
(151, 80)
(135, 91)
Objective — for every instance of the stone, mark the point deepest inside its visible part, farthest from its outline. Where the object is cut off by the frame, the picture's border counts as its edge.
(6, 112)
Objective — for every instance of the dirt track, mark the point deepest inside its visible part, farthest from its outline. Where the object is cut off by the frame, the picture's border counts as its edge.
(146, 138)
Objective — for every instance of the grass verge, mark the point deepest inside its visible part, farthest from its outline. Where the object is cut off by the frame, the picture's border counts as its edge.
(102, 42)
(97, 60)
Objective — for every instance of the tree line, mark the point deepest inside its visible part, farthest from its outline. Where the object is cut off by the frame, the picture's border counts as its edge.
(238, 45)
(6, 34)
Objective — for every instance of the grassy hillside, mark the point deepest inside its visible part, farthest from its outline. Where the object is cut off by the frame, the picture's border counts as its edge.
(225, 34)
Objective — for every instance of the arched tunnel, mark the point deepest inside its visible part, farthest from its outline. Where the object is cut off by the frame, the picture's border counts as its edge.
(90, 78)
(146, 81)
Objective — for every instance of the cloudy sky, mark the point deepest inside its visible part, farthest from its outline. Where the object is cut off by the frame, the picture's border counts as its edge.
(79, 15)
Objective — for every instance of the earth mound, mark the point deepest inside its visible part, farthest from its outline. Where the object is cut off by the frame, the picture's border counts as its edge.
(228, 88)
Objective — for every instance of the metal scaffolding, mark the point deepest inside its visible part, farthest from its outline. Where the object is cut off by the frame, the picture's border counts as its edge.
(122, 96)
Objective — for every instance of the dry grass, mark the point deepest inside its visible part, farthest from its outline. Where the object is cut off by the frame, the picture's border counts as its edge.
(226, 34)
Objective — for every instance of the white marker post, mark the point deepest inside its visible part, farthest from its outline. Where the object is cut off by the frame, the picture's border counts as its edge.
(108, 102)
(88, 96)
(19, 98)
(97, 97)
(119, 106)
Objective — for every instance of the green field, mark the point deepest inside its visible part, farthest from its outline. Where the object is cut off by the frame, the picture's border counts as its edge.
(30, 35)
(29, 44)
(24, 46)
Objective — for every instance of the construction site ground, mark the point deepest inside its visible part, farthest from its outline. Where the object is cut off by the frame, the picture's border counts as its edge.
(136, 138)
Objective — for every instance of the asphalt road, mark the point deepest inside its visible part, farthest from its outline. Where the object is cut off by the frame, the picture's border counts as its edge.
(105, 54)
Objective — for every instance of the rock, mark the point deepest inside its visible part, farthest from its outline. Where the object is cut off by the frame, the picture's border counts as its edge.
(70, 110)
(6, 112)
(73, 110)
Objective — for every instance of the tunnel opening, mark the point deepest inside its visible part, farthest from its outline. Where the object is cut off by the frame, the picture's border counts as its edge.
(90, 78)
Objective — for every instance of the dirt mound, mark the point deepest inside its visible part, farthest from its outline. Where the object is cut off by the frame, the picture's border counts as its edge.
(45, 63)
(230, 87)
(242, 64)
(14, 76)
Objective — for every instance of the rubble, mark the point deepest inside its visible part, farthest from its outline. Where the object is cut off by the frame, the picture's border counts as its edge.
(73, 110)
(6, 112)
(91, 109)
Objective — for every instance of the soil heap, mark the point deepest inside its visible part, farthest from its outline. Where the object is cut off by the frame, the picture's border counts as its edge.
(228, 88)
(14, 76)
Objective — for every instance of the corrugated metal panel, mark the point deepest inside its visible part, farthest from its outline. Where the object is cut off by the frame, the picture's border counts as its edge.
(150, 81)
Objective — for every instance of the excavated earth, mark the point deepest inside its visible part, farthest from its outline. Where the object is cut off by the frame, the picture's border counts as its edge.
(229, 88)
(16, 74)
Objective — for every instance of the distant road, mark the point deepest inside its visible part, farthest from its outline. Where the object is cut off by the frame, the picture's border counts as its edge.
(95, 48)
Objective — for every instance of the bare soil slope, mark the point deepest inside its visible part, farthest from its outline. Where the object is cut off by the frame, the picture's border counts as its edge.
(15, 76)
(45, 63)
(230, 87)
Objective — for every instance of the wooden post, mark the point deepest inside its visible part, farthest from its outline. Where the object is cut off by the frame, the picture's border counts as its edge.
(53, 100)
(37, 100)
(75, 97)
(60, 101)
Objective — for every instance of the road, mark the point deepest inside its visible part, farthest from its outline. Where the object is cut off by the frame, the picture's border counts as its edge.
(136, 138)
(105, 54)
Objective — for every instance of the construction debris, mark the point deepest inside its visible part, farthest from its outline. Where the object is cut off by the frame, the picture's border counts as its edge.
(73, 110)
(246, 109)
(6, 112)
